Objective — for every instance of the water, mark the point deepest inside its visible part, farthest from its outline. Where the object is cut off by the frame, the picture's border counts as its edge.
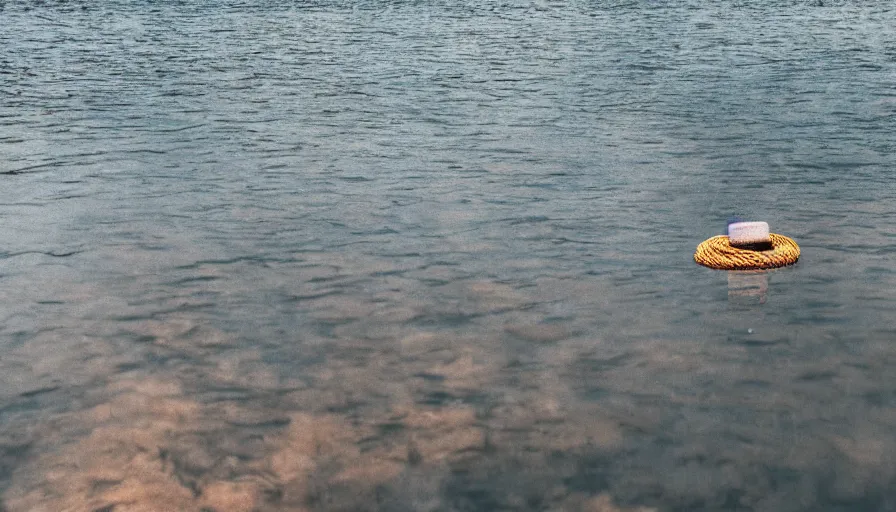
(437, 256)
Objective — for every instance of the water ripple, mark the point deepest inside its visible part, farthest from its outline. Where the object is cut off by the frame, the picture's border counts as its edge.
(372, 255)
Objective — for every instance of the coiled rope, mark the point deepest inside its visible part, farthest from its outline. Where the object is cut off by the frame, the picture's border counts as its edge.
(718, 253)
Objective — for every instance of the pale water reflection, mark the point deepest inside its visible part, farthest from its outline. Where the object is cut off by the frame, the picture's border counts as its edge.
(748, 286)
(437, 256)
(388, 419)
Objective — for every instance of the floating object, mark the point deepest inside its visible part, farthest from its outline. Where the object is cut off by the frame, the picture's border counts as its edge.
(749, 234)
(748, 246)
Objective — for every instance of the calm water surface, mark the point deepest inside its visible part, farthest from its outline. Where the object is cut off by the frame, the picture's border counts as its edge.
(436, 256)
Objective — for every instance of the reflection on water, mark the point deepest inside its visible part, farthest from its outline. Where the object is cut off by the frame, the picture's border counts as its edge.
(371, 256)
(748, 287)
(397, 424)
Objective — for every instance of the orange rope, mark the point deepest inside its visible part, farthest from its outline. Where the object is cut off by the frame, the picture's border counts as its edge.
(718, 253)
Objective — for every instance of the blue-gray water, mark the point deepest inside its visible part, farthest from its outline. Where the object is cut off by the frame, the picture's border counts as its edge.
(437, 256)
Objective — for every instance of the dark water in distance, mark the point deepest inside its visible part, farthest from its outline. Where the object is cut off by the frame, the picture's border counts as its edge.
(436, 256)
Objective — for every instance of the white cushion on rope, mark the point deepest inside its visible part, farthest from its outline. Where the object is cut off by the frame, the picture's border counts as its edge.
(746, 233)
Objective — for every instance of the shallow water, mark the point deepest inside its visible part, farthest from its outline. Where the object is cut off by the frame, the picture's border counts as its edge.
(437, 256)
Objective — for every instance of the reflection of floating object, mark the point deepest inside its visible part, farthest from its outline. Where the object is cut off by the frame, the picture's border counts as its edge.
(742, 234)
(718, 253)
(747, 286)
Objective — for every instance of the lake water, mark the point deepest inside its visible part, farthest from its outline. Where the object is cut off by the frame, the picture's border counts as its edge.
(437, 256)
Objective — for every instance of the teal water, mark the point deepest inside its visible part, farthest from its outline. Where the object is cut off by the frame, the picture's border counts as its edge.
(437, 256)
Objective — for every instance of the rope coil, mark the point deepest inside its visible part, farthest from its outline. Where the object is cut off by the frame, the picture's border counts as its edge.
(719, 254)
